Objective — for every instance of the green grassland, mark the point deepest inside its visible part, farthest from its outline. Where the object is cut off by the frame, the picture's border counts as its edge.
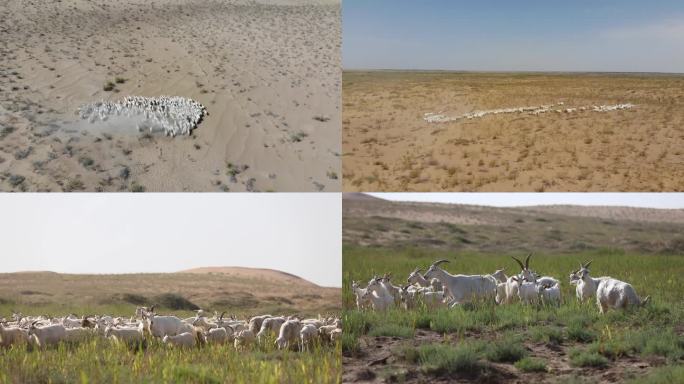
(100, 361)
(569, 343)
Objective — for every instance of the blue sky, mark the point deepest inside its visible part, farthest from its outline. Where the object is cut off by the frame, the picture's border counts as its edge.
(524, 35)
(648, 200)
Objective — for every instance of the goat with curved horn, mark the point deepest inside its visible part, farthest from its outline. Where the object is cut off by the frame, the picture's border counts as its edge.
(522, 266)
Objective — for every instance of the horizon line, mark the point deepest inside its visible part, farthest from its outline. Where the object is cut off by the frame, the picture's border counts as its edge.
(508, 71)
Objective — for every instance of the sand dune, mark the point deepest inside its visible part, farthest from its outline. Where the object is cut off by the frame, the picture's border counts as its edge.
(267, 72)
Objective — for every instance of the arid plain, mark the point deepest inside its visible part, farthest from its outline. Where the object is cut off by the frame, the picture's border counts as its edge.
(389, 144)
(267, 72)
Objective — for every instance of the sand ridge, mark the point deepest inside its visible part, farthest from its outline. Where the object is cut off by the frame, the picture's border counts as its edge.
(267, 73)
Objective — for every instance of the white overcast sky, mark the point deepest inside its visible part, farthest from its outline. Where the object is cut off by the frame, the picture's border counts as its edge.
(123, 233)
(650, 200)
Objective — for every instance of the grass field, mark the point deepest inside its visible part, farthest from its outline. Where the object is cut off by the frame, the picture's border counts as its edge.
(99, 361)
(571, 343)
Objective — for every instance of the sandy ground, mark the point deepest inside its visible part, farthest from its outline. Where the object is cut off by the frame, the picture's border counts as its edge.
(380, 362)
(267, 72)
(388, 146)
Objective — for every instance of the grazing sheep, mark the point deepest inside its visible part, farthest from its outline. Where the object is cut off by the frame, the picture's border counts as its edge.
(289, 334)
(256, 321)
(244, 339)
(616, 294)
(216, 336)
(270, 326)
(124, 335)
(307, 336)
(184, 340)
(13, 336)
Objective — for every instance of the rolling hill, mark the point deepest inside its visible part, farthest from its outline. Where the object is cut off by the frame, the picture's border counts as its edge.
(551, 229)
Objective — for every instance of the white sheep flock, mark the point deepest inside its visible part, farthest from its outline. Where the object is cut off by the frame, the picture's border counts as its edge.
(559, 107)
(171, 115)
(146, 325)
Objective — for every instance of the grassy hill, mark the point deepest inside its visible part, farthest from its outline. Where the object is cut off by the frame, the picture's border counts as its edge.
(548, 229)
(240, 291)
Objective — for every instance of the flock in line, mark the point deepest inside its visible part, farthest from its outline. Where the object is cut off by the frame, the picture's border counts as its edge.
(292, 332)
(439, 288)
(173, 115)
(535, 111)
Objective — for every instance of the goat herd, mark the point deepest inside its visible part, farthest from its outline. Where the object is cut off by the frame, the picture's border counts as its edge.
(293, 333)
(438, 288)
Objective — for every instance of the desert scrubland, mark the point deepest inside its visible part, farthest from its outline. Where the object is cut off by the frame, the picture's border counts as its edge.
(267, 73)
(426, 131)
(416, 339)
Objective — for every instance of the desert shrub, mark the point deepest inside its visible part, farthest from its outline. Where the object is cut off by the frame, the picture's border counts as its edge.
(175, 301)
(529, 364)
(579, 358)
(505, 351)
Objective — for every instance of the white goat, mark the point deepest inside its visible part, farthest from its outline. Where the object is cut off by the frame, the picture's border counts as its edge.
(244, 339)
(12, 336)
(359, 292)
(289, 334)
(307, 336)
(48, 335)
(185, 339)
(463, 288)
(616, 294)
(585, 286)
(127, 335)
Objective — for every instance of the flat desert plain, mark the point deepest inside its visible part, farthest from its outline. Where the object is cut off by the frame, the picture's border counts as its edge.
(559, 142)
(267, 72)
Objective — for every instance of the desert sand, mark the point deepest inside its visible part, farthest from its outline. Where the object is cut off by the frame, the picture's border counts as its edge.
(266, 71)
(449, 131)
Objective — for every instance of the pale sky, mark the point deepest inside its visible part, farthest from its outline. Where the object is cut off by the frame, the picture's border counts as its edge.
(649, 200)
(166, 232)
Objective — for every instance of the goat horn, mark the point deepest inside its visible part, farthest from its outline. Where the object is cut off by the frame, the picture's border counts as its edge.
(587, 264)
(527, 261)
(222, 313)
(518, 261)
(438, 262)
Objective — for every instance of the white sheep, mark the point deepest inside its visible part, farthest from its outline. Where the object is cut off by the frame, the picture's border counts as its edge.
(127, 335)
(185, 340)
(307, 336)
(244, 339)
(256, 321)
(270, 326)
(13, 336)
(616, 294)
